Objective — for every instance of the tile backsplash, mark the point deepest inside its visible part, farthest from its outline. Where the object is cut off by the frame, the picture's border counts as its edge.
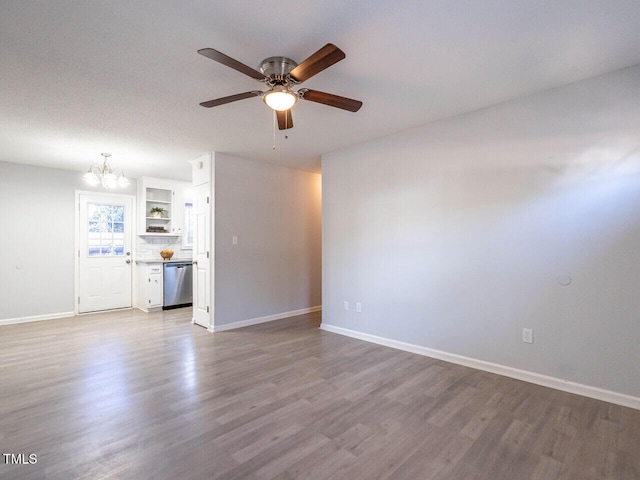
(148, 248)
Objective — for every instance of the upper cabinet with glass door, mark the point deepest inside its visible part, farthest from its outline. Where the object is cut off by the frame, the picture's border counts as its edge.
(159, 209)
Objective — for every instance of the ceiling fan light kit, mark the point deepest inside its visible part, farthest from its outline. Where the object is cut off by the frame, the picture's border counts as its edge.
(280, 98)
(279, 73)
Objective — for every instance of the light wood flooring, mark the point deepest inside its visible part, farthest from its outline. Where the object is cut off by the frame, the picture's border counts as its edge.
(129, 395)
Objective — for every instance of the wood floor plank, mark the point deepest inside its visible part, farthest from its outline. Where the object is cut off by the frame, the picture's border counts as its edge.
(130, 395)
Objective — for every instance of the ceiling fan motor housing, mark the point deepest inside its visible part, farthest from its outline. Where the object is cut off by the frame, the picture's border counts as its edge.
(277, 68)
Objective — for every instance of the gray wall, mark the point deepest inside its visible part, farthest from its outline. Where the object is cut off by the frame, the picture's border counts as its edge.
(37, 212)
(275, 213)
(456, 235)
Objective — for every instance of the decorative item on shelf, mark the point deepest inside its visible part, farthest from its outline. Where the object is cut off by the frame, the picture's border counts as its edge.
(156, 229)
(166, 254)
(157, 212)
(105, 175)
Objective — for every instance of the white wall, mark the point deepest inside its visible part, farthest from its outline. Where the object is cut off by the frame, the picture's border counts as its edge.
(275, 213)
(456, 235)
(37, 212)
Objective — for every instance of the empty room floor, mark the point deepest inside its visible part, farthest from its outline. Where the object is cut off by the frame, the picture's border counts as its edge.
(130, 395)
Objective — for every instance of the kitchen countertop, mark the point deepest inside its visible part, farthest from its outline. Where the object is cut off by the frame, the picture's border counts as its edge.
(160, 260)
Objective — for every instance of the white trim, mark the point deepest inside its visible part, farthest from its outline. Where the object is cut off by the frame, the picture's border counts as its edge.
(36, 318)
(524, 375)
(97, 312)
(268, 318)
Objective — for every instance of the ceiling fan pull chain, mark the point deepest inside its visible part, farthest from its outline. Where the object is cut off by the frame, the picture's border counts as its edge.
(274, 129)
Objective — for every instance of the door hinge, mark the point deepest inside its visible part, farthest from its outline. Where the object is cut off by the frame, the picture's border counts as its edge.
(207, 199)
(207, 308)
(149, 300)
(78, 300)
(207, 254)
(149, 280)
(78, 253)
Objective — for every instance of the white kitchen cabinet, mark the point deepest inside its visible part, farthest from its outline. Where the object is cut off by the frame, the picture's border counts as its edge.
(182, 195)
(150, 287)
(168, 195)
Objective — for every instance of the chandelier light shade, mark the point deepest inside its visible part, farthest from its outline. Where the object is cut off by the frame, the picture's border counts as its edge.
(280, 98)
(105, 175)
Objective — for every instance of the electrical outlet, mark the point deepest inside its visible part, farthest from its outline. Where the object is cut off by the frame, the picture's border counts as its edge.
(527, 335)
(358, 307)
(346, 305)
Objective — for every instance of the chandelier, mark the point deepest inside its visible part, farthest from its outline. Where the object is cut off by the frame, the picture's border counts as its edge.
(105, 175)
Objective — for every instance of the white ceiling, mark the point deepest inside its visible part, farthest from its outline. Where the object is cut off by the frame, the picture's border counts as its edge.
(83, 77)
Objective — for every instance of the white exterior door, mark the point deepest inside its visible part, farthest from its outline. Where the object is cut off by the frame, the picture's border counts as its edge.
(202, 284)
(104, 252)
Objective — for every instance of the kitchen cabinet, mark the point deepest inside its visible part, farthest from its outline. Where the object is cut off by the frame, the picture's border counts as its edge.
(167, 196)
(150, 286)
(182, 196)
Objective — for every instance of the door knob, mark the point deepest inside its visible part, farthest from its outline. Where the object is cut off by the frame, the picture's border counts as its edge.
(128, 261)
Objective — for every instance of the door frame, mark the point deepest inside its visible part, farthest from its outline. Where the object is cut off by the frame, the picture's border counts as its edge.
(76, 259)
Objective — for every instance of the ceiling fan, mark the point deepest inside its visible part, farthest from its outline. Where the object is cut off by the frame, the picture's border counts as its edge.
(280, 74)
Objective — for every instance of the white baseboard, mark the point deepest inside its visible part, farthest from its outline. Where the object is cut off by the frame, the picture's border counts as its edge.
(36, 318)
(268, 318)
(531, 377)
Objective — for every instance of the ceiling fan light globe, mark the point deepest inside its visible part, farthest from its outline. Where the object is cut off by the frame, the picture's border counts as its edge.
(280, 100)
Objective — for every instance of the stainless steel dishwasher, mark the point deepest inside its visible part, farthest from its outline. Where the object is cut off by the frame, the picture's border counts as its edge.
(178, 285)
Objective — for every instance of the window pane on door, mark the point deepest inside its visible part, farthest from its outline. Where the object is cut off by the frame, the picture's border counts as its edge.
(105, 230)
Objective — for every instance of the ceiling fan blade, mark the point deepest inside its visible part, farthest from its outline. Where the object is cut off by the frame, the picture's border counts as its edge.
(230, 98)
(231, 62)
(331, 100)
(322, 59)
(284, 119)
